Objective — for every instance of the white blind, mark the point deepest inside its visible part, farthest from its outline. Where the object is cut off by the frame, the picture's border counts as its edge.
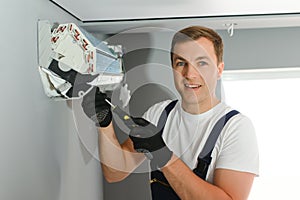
(271, 100)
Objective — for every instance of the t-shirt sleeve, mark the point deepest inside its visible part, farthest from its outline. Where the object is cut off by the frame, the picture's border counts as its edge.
(239, 148)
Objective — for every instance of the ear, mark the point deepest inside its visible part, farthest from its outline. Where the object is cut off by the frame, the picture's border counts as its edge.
(220, 69)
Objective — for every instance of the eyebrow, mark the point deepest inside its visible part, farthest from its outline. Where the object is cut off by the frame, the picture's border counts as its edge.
(202, 58)
(177, 57)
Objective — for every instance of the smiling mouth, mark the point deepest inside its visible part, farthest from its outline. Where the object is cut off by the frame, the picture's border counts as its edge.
(192, 86)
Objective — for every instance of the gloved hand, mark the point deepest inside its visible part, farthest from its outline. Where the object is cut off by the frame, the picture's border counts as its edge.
(96, 108)
(147, 138)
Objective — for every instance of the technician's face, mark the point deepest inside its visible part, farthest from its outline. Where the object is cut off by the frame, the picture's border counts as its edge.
(196, 71)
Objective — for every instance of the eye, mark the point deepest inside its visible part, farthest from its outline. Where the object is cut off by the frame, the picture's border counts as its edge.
(202, 63)
(180, 64)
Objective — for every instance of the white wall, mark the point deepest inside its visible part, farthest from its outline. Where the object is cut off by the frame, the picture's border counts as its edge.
(41, 155)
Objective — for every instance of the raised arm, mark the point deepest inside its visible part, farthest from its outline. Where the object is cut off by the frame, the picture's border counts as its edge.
(117, 160)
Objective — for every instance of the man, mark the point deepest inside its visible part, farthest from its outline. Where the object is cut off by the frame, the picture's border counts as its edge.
(197, 62)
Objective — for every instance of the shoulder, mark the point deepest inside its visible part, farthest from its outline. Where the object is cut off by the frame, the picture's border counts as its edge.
(238, 147)
(239, 127)
(154, 112)
(240, 123)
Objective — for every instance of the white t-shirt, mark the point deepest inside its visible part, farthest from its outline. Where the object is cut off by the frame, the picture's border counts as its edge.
(185, 134)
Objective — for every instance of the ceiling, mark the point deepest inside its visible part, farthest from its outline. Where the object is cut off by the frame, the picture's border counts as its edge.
(114, 16)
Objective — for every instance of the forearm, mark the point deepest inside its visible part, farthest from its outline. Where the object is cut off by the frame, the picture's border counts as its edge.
(188, 185)
(117, 160)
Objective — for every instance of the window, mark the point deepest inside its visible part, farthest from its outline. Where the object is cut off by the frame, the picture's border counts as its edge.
(271, 99)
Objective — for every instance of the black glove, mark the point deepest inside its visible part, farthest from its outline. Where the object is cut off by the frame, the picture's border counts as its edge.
(96, 108)
(147, 138)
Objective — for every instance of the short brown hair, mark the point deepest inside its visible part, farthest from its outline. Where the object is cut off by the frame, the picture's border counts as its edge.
(196, 32)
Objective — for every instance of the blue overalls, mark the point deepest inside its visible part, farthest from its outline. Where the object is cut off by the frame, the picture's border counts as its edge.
(160, 187)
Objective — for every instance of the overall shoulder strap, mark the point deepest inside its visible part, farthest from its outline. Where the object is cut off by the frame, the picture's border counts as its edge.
(165, 113)
(214, 134)
(204, 158)
(160, 188)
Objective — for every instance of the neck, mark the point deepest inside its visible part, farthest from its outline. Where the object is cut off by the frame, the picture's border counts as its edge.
(200, 107)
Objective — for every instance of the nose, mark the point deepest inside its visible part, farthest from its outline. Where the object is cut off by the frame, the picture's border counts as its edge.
(190, 71)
